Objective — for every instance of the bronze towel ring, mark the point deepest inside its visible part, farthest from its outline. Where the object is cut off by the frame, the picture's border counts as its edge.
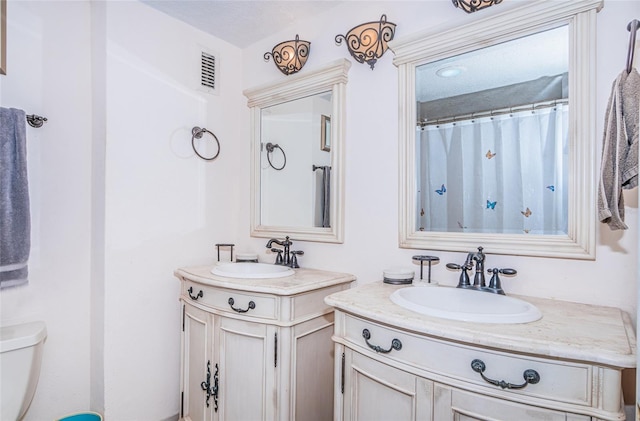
(197, 133)
(270, 148)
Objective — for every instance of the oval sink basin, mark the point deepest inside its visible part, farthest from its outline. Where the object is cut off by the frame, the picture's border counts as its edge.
(252, 270)
(466, 305)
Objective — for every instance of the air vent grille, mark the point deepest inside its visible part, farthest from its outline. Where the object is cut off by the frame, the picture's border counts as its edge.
(208, 70)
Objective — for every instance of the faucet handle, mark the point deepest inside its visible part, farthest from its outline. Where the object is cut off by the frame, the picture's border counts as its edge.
(494, 284)
(464, 276)
(294, 259)
(279, 260)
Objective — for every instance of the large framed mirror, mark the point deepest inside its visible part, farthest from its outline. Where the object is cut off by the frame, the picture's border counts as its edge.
(297, 155)
(497, 133)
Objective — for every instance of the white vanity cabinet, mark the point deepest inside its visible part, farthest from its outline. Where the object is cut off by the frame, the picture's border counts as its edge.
(257, 349)
(392, 363)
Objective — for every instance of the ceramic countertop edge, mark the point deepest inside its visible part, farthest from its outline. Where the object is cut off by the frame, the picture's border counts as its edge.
(302, 280)
(567, 330)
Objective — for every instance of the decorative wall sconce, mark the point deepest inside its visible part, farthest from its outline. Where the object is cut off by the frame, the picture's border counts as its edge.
(290, 56)
(471, 6)
(368, 42)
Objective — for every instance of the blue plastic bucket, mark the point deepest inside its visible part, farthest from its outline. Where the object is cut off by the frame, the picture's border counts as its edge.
(83, 416)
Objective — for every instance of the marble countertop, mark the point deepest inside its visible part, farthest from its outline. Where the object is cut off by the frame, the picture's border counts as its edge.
(302, 280)
(567, 330)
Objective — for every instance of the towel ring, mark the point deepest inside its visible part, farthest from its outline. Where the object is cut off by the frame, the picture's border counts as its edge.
(270, 148)
(197, 133)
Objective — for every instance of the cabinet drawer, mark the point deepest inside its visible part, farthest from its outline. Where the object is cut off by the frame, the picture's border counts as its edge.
(451, 363)
(231, 301)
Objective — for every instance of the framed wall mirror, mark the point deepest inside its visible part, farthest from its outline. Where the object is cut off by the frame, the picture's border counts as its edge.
(497, 133)
(297, 181)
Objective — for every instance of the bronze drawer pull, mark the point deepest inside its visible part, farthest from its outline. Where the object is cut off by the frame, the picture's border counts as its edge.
(252, 305)
(530, 376)
(195, 297)
(395, 343)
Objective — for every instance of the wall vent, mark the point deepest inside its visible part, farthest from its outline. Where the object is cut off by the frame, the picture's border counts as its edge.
(208, 72)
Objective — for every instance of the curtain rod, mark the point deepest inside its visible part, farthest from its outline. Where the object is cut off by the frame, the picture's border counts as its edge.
(36, 120)
(491, 113)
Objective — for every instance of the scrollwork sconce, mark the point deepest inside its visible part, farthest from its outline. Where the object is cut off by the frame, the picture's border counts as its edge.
(368, 42)
(290, 56)
(471, 6)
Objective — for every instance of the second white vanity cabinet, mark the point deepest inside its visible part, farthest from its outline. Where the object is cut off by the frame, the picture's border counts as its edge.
(392, 363)
(257, 349)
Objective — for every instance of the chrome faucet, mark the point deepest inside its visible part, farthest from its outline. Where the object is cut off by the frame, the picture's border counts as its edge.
(286, 243)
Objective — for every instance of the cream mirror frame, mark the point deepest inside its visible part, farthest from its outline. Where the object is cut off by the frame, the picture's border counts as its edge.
(531, 18)
(329, 78)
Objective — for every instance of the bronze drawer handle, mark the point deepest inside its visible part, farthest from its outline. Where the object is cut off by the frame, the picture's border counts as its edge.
(195, 297)
(530, 376)
(252, 305)
(395, 343)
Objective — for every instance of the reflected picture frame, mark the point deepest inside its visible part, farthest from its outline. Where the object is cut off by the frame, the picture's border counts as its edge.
(3, 37)
(325, 133)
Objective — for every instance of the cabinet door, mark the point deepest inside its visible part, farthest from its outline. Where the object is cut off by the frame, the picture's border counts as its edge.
(457, 405)
(197, 364)
(311, 370)
(247, 370)
(375, 391)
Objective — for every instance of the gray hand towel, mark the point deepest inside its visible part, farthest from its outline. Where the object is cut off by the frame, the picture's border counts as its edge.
(619, 168)
(15, 220)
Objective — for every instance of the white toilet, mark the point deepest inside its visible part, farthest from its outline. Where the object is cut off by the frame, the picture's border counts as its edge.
(21, 349)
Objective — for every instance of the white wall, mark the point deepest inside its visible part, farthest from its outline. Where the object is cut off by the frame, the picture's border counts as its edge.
(118, 198)
(371, 213)
(48, 73)
(118, 201)
(164, 206)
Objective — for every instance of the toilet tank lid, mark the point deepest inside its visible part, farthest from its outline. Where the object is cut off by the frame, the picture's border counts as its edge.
(22, 335)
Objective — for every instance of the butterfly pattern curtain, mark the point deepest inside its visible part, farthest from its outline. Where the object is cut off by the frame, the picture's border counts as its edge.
(502, 174)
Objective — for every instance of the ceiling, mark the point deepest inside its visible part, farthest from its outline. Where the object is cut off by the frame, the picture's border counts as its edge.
(241, 22)
(245, 22)
(520, 60)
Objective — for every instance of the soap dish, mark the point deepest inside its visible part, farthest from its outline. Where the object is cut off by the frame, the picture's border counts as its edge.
(398, 276)
(246, 257)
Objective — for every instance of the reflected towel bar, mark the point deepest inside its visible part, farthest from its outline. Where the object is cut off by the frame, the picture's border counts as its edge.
(319, 167)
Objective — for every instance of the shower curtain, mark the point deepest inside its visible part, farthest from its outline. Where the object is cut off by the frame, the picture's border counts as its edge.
(500, 174)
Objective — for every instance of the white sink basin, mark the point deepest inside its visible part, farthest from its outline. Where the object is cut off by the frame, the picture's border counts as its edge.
(466, 305)
(252, 270)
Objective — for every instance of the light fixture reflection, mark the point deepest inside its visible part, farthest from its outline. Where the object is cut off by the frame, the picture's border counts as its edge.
(368, 42)
(471, 6)
(289, 56)
(450, 71)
